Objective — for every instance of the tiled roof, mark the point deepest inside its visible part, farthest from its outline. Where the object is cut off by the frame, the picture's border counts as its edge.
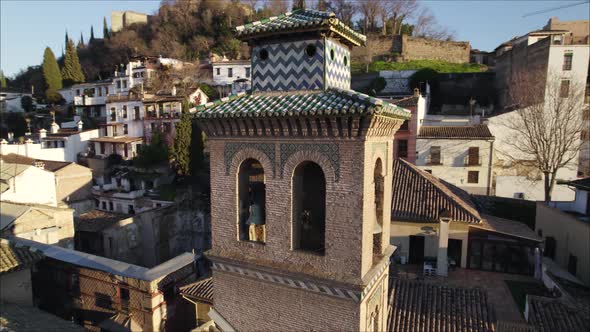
(583, 184)
(411, 101)
(119, 139)
(303, 19)
(13, 257)
(97, 220)
(419, 196)
(9, 212)
(201, 290)
(49, 165)
(468, 132)
(421, 306)
(508, 227)
(333, 102)
(14, 317)
(548, 314)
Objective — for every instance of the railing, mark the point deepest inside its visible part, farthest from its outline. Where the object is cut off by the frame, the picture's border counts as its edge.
(86, 100)
(472, 161)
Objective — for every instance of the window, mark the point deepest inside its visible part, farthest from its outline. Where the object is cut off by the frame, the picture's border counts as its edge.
(402, 148)
(247, 72)
(218, 71)
(124, 294)
(473, 156)
(564, 89)
(136, 111)
(345, 61)
(473, 177)
(251, 202)
(77, 92)
(310, 50)
(124, 84)
(106, 90)
(125, 129)
(111, 208)
(104, 205)
(125, 111)
(434, 156)
(309, 208)
(118, 84)
(99, 92)
(263, 54)
(378, 181)
(567, 61)
(230, 72)
(332, 54)
(572, 264)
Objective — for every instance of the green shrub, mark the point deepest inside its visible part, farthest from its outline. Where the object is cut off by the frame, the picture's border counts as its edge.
(438, 66)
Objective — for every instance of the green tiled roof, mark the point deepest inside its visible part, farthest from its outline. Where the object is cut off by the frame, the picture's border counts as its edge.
(300, 19)
(333, 102)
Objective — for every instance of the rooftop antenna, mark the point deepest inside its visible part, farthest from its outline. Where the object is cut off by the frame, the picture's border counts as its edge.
(556, 8)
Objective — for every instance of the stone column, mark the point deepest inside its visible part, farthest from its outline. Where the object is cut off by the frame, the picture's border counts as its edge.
(443, 244)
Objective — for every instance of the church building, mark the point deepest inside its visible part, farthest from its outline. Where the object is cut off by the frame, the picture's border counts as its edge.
(301, 185)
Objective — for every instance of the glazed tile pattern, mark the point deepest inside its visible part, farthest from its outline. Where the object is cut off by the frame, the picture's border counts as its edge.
(337, 69)
(288, 67)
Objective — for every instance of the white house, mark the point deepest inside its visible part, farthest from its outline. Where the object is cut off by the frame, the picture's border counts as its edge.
(232, 76)
(460, 155)
(12, 101)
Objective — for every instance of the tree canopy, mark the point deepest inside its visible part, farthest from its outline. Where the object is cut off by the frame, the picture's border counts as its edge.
(2, 80)
(52, 76)
(155, 153)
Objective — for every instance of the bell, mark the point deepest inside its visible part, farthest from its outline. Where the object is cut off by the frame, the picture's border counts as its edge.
(256, 215)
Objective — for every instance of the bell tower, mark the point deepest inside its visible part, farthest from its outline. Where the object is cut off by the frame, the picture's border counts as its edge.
(300, 185)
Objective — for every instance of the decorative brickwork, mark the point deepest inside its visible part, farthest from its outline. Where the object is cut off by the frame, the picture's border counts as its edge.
(338, 68)
(330, 151)
(290, 282)
(231, 149)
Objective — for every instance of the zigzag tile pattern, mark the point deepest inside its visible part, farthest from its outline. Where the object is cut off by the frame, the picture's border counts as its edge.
(337, 72)
(287, 67)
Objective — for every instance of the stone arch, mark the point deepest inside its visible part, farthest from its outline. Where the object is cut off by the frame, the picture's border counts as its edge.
(250, 153)
(314, 156)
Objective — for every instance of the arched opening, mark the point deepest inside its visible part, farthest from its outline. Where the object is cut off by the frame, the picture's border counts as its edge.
(309, 208)
(251, 202)
(378, 181)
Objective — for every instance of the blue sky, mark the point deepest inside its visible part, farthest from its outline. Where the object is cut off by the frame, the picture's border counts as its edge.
(27, 26)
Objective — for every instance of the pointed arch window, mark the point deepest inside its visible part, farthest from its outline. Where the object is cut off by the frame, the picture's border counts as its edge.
(309, 208)
(378, 182)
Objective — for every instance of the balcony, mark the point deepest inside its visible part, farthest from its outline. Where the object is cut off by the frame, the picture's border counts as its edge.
(117, 192)
(89, 101)
(472, 160)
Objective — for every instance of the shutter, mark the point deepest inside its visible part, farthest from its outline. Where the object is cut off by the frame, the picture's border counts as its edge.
(473, 155)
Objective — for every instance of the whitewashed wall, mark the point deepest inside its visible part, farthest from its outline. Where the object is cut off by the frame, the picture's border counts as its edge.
(33, 186)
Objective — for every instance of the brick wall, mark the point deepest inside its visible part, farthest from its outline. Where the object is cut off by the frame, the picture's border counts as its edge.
(252, 305)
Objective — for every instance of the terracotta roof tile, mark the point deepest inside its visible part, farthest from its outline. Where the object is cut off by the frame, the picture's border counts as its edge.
(97, 220)
(454, 132)
(549, 314)
(419, 196)
(49, 165)
(411, 101)
(421, 306)
(13, 257)
(201, 290)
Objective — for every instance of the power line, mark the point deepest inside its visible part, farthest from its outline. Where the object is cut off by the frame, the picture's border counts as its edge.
(556, 8)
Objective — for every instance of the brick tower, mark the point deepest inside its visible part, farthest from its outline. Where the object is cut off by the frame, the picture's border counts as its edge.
(300, 185)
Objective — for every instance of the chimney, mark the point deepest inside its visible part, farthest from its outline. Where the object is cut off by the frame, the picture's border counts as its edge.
(443, 243)
(54, 128)
(416, 92)
(10, 136)
(80, 125)
(174, 90)
(39, 164)
(42, 133)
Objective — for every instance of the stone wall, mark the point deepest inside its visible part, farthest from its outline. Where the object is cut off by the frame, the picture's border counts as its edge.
(415, 48)
(406, 48)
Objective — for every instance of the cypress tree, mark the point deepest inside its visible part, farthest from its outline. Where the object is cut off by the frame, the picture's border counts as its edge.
(91, 33)
(81, 42)
(67, 38)
(2, 80)
(105, 29)
(72, 71)
(182, 143)
(52, 76)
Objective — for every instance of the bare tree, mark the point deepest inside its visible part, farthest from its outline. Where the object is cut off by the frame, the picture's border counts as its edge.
(344, 10)
(545, 130)
(369, 11)
(277, 7)
(399, 11)
(427, 26)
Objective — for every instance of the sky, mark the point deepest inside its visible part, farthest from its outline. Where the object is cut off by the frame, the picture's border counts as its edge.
(28, 26)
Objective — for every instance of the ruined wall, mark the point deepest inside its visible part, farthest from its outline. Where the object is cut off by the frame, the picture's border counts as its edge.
(406, 48)
(415, 48)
